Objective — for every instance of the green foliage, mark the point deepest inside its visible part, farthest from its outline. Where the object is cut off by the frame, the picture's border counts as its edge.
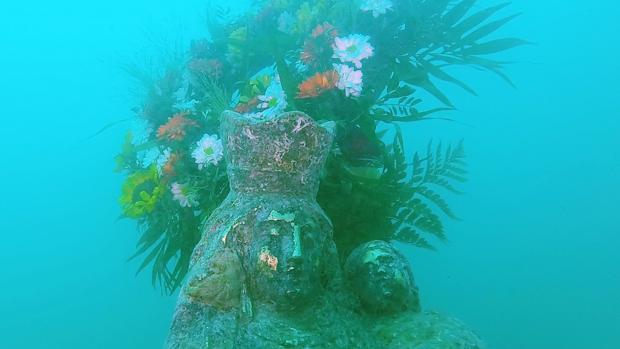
(400, 104)
(170, 233)
(404, 204)
(166, 245)
(421, 195)
(436, 35)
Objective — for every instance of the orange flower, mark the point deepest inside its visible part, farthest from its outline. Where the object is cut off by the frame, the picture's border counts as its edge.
(168, 167)
(175, 128)
(243, 108)
(318, 84)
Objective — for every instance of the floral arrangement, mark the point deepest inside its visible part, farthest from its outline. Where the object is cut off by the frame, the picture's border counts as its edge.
(363, 64)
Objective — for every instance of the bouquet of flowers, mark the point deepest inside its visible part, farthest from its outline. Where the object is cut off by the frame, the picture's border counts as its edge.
(362, 64)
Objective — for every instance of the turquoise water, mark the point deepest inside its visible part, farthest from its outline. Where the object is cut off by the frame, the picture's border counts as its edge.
(532, 264)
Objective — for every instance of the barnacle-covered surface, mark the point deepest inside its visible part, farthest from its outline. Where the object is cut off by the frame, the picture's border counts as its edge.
(282, 155)
(266, 272)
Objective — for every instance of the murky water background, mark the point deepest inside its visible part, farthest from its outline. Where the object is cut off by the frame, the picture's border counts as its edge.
(533, 263)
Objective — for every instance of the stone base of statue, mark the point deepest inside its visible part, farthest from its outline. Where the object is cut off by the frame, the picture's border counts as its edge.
(266, 272)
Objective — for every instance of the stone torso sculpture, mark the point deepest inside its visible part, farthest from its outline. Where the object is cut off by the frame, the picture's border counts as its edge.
(267, 264)
(266, 272)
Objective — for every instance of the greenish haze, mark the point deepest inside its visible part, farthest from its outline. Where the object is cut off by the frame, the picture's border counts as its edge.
(531, 263)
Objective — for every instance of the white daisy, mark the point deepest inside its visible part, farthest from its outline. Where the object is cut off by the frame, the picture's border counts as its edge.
(209, 151)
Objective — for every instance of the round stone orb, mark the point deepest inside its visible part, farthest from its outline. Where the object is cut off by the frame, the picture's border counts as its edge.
(382, 279)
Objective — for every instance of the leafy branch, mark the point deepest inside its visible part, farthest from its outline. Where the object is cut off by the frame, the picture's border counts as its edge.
(438, 34)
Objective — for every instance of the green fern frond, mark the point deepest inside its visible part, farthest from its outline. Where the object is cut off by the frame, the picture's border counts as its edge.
(214, 94)
(436, 199)
(421, 201)
(449, 33)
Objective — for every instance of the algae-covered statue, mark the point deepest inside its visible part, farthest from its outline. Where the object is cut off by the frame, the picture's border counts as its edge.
(266, 273)
(269, 175)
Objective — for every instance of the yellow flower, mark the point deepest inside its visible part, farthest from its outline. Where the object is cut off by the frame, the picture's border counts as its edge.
(141, 192)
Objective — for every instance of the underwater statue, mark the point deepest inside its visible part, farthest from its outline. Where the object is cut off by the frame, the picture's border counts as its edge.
(266, 272)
